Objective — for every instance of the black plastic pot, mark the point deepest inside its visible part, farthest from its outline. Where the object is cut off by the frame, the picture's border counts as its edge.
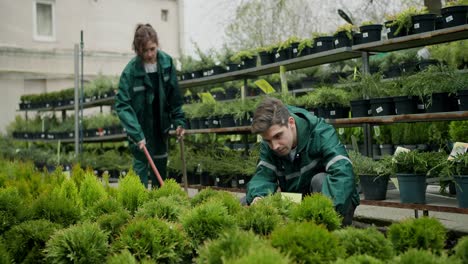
(341, 39)
(206, 179)
(284, 54)
(373, 187)
(223, 182)
(392, 29)
(360, 108)
(423, 23)
(386, 149)
(305, 51)
(382, 106)
(323, 43)
(218, 70)
(230, 67)
(247, 63)
(442, 102)
(219, 96)
(462, 100)
(412, 188)
(266, 57)
(406, 105)
(409, 67)
(334, 112)
(371, 33)
(392, 72)
(439, 22)
(462, 190)
(424, 64)
(454, 15)
(227, 121)
(197, 74)
(294, 49)
(357, 38)
(231, 93)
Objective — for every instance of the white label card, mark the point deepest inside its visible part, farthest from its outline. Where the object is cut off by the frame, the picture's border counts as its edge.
(379, 109)
(319, 44)
(365, 35)
(449, 18)
(416, 26)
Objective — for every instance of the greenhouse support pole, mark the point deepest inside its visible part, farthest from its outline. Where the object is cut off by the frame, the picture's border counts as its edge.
(77, 129)
(367, 127)
(82, 93)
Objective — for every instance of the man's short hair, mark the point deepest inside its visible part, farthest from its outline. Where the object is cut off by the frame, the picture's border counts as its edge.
(269, 112)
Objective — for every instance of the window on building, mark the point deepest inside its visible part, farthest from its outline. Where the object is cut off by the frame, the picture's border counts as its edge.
(44, 20)
(164, 14)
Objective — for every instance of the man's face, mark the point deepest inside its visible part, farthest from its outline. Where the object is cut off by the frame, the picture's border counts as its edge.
(281, 139)
(149, 52)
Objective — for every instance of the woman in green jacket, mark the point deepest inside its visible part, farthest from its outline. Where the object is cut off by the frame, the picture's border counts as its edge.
(148, 101)
(300, 153)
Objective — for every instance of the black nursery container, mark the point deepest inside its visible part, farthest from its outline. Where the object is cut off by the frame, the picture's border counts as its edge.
(284, 54)
(406, 105)
(266, 57)
(333, 112)
(295, 49)
(323, 43)
(442, 102)
(249, 62)
(454, 15)
(360, 108)
(371, 33)
(463, 100)
(341, 39)
(392, 29)
(382, 106)
(230, 67)
(423, 23)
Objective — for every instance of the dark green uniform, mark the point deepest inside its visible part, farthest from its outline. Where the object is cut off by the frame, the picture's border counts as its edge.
(147, 106)
(318, 151)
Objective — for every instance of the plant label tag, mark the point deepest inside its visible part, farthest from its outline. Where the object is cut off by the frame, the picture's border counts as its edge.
(459, 148)
(449, 18)
(293, 197)
(319, 44)
(277, 55)
(341, 131)
(416, 26)
(379, 109)
(193, 75)
(295, 50)
(396, 111)
(337, 42)
(215, 122)
(365, 35)
(420, 106)
(389, 30)
(332, 112)
(241, 181)
(369, 112)
(217, 179)
(377, 131)
(459, 103)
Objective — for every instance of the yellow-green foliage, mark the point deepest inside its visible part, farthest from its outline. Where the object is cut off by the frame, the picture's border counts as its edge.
(226, 198)
(359, 259)
(422, 233)
(307, 242)
(124, 257)
(113, 222)
(77, 174)
(423, 256)
(461, 249)
(261, 218)
(103, 206)
(91, 190)
(319, 209)
(131, 193)
(12, 208)
(264, 254)
(5, 257)
(55, 208)
(83, 243)
(367, 241)
(170, 187)
(70, 192)
(165, 208)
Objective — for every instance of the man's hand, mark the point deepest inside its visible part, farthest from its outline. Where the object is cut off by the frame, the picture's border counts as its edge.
(141, 144)
(256, 199)
(180, 131)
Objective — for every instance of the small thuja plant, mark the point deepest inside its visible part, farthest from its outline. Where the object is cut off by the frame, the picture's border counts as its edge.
(226, 199)
(319, 209)
(367, 241)
(4, 254)
(262, 254)
(123, 257)
(359, 259)
(91, 190)
(163, 242)
(104, 206)
(261, 218)
(12, 208)
(83, 243)
(69, 190)
(306, 242)
(131, 193)
(230, 245)
(26, 241)
(113, 223)
(163, 208)
(461, 249)
(422, 233)
(284, 206)
(203, 196)
(422, 256)
(170, 187)
(207, 221)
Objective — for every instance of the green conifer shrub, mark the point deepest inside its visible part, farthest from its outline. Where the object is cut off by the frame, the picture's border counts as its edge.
(103, 206)
(170, 187)
(227, 199)
(12, 208)
(26, 241)
(367, 241)
(307, 242)
(261, 218)
(113, 222)
(124, 257)
(163, 208)
(319, 209)
(131, 193)
(264, 254)
(359, 259)
(91, 190)
(5, 257)
(162, 241)
(83, 243)
(461, 249)
(55, 208)
(207, 221)
(423, 257)
(284, 206)
(421, 233)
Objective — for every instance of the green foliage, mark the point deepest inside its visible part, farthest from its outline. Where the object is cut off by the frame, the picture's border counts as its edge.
(203, 196)
(264, 254)
(207, 221)
(261, 218)
(287, 43)
(163, 208)
(403, 19)
(367, 241)
(303, 44)
(282, 205)
(229, 246)
(359, 259)
(84, 243)
(461, 249)
(163, 242)
(12, 209)
(422, 233)
(170, 188)
(319, 209)
(131, 193)
(124, 257)
(77, 175)
(458, 131)
(412, 162)
(113, 222)
(362, 165)
(327, 97)
(422, 256)
(27, 240)
(103, 206)
(69, 190)
(459, 164)
(347, 28)
(91, 190)
(56, 208)
(5, 257)
(242, 55)
(454, 53)
(306, 242)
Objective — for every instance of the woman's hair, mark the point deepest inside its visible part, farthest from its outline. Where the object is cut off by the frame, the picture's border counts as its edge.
(143, 34)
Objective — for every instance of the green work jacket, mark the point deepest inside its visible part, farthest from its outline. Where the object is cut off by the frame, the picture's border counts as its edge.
(135, 96)
(318, 151)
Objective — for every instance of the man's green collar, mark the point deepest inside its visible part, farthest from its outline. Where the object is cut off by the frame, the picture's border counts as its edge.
(302, 128)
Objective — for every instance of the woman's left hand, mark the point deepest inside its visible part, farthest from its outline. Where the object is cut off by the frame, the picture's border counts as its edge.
(180, 131)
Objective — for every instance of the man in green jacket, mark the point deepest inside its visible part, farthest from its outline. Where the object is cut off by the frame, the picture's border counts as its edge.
(148, 101)
(300, 153)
